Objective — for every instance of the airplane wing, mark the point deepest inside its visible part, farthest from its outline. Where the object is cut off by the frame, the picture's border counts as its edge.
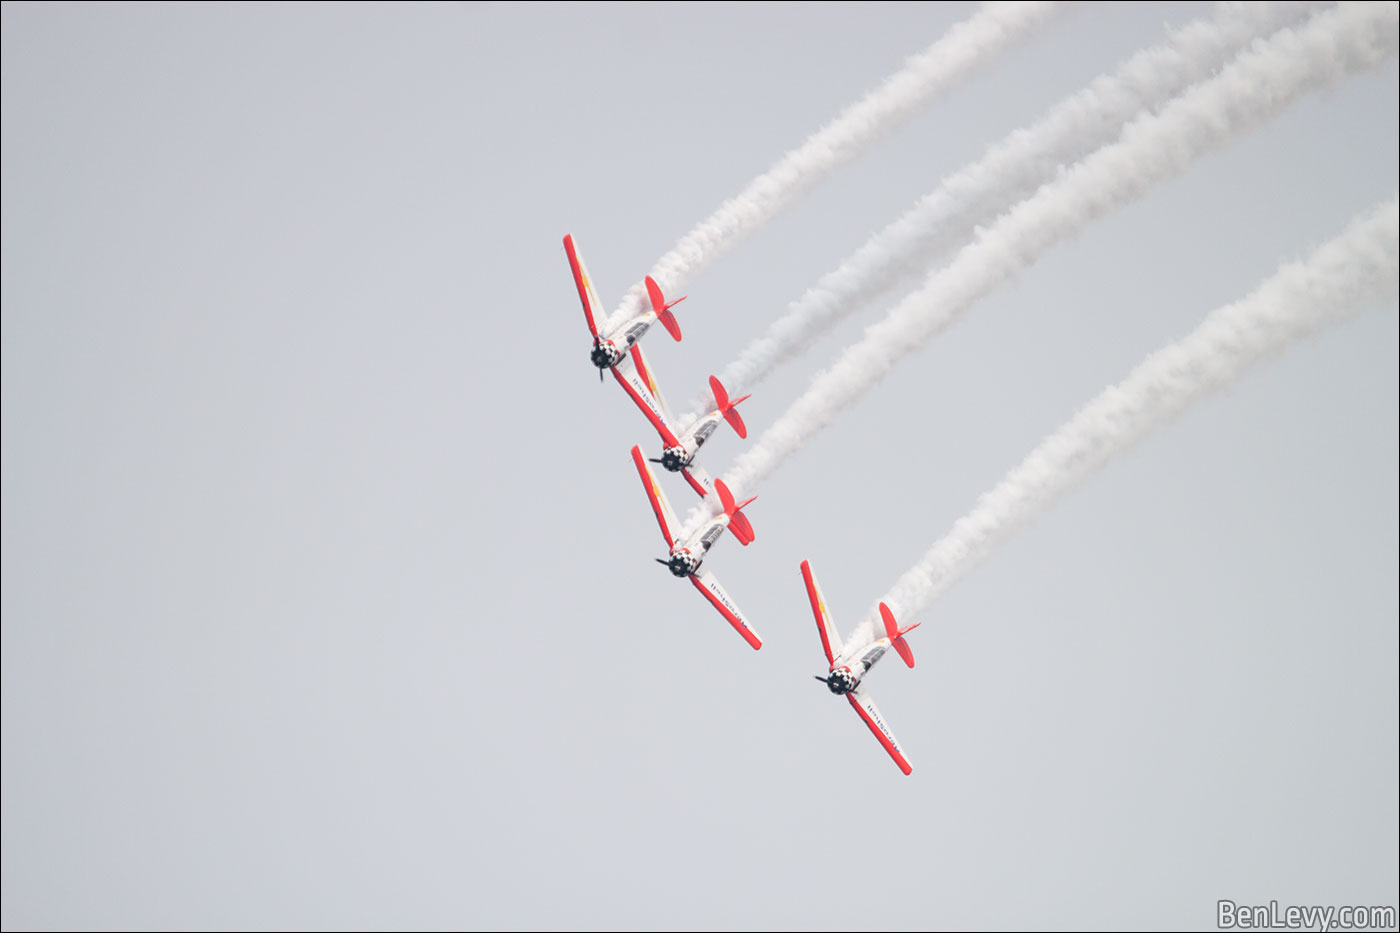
(698, 479)
(664, 516)
(592, 307)
(709, 587)
(638, 388)
(865, 707)
(639, 357)
(831, 642)
(696, 476)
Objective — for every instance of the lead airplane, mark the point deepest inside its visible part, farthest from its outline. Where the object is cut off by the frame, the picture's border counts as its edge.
(611, 350)
(688, 553)
(845, 674)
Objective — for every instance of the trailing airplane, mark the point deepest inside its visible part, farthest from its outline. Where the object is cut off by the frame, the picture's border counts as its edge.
(687, 555)
(611, 349)
(680, 449)
(845, 674)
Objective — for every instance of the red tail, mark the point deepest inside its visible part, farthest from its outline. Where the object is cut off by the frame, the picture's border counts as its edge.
(896, 634)
(738, 521)
(662, 309)
(743, 531)
(727, 408)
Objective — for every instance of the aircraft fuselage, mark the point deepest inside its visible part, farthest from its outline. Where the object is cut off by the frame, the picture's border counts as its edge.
(679, 457)
(687, 556)
(609, 351)
(846, 675)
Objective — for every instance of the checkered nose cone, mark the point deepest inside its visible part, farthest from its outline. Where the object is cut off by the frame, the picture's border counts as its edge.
(840, 682)
(604, 354)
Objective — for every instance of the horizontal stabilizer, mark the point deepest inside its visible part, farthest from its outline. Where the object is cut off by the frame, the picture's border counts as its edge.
(673, 327)
(896, 635)
(662, 309)
(735, 421)
(727, 408)
(726, 498)
(743, 531)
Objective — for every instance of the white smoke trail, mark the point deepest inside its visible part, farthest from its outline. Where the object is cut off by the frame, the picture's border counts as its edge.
(940, 66)
(1340, 279)
(1257, 84)
(1010, 171)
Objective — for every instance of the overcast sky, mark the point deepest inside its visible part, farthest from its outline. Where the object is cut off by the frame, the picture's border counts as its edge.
(328, 593)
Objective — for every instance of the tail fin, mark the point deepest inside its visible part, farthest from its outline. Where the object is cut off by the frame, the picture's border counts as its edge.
(896, 634)
(663, 310)
(727, 408)
(738, 521)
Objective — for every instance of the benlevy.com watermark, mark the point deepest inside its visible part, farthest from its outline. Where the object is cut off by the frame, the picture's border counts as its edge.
(1232, 916)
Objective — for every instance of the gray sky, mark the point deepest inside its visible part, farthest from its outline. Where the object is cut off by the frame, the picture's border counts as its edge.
(327, 587)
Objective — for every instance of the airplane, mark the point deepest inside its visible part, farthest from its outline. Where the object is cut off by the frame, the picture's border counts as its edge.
(687, 555)
(845, 674)
(611, 349)
(678, 454)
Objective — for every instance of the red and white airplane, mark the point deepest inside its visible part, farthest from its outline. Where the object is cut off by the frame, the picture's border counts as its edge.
(845, 674)
(611, 349)
(687, 555)
(678, 455)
